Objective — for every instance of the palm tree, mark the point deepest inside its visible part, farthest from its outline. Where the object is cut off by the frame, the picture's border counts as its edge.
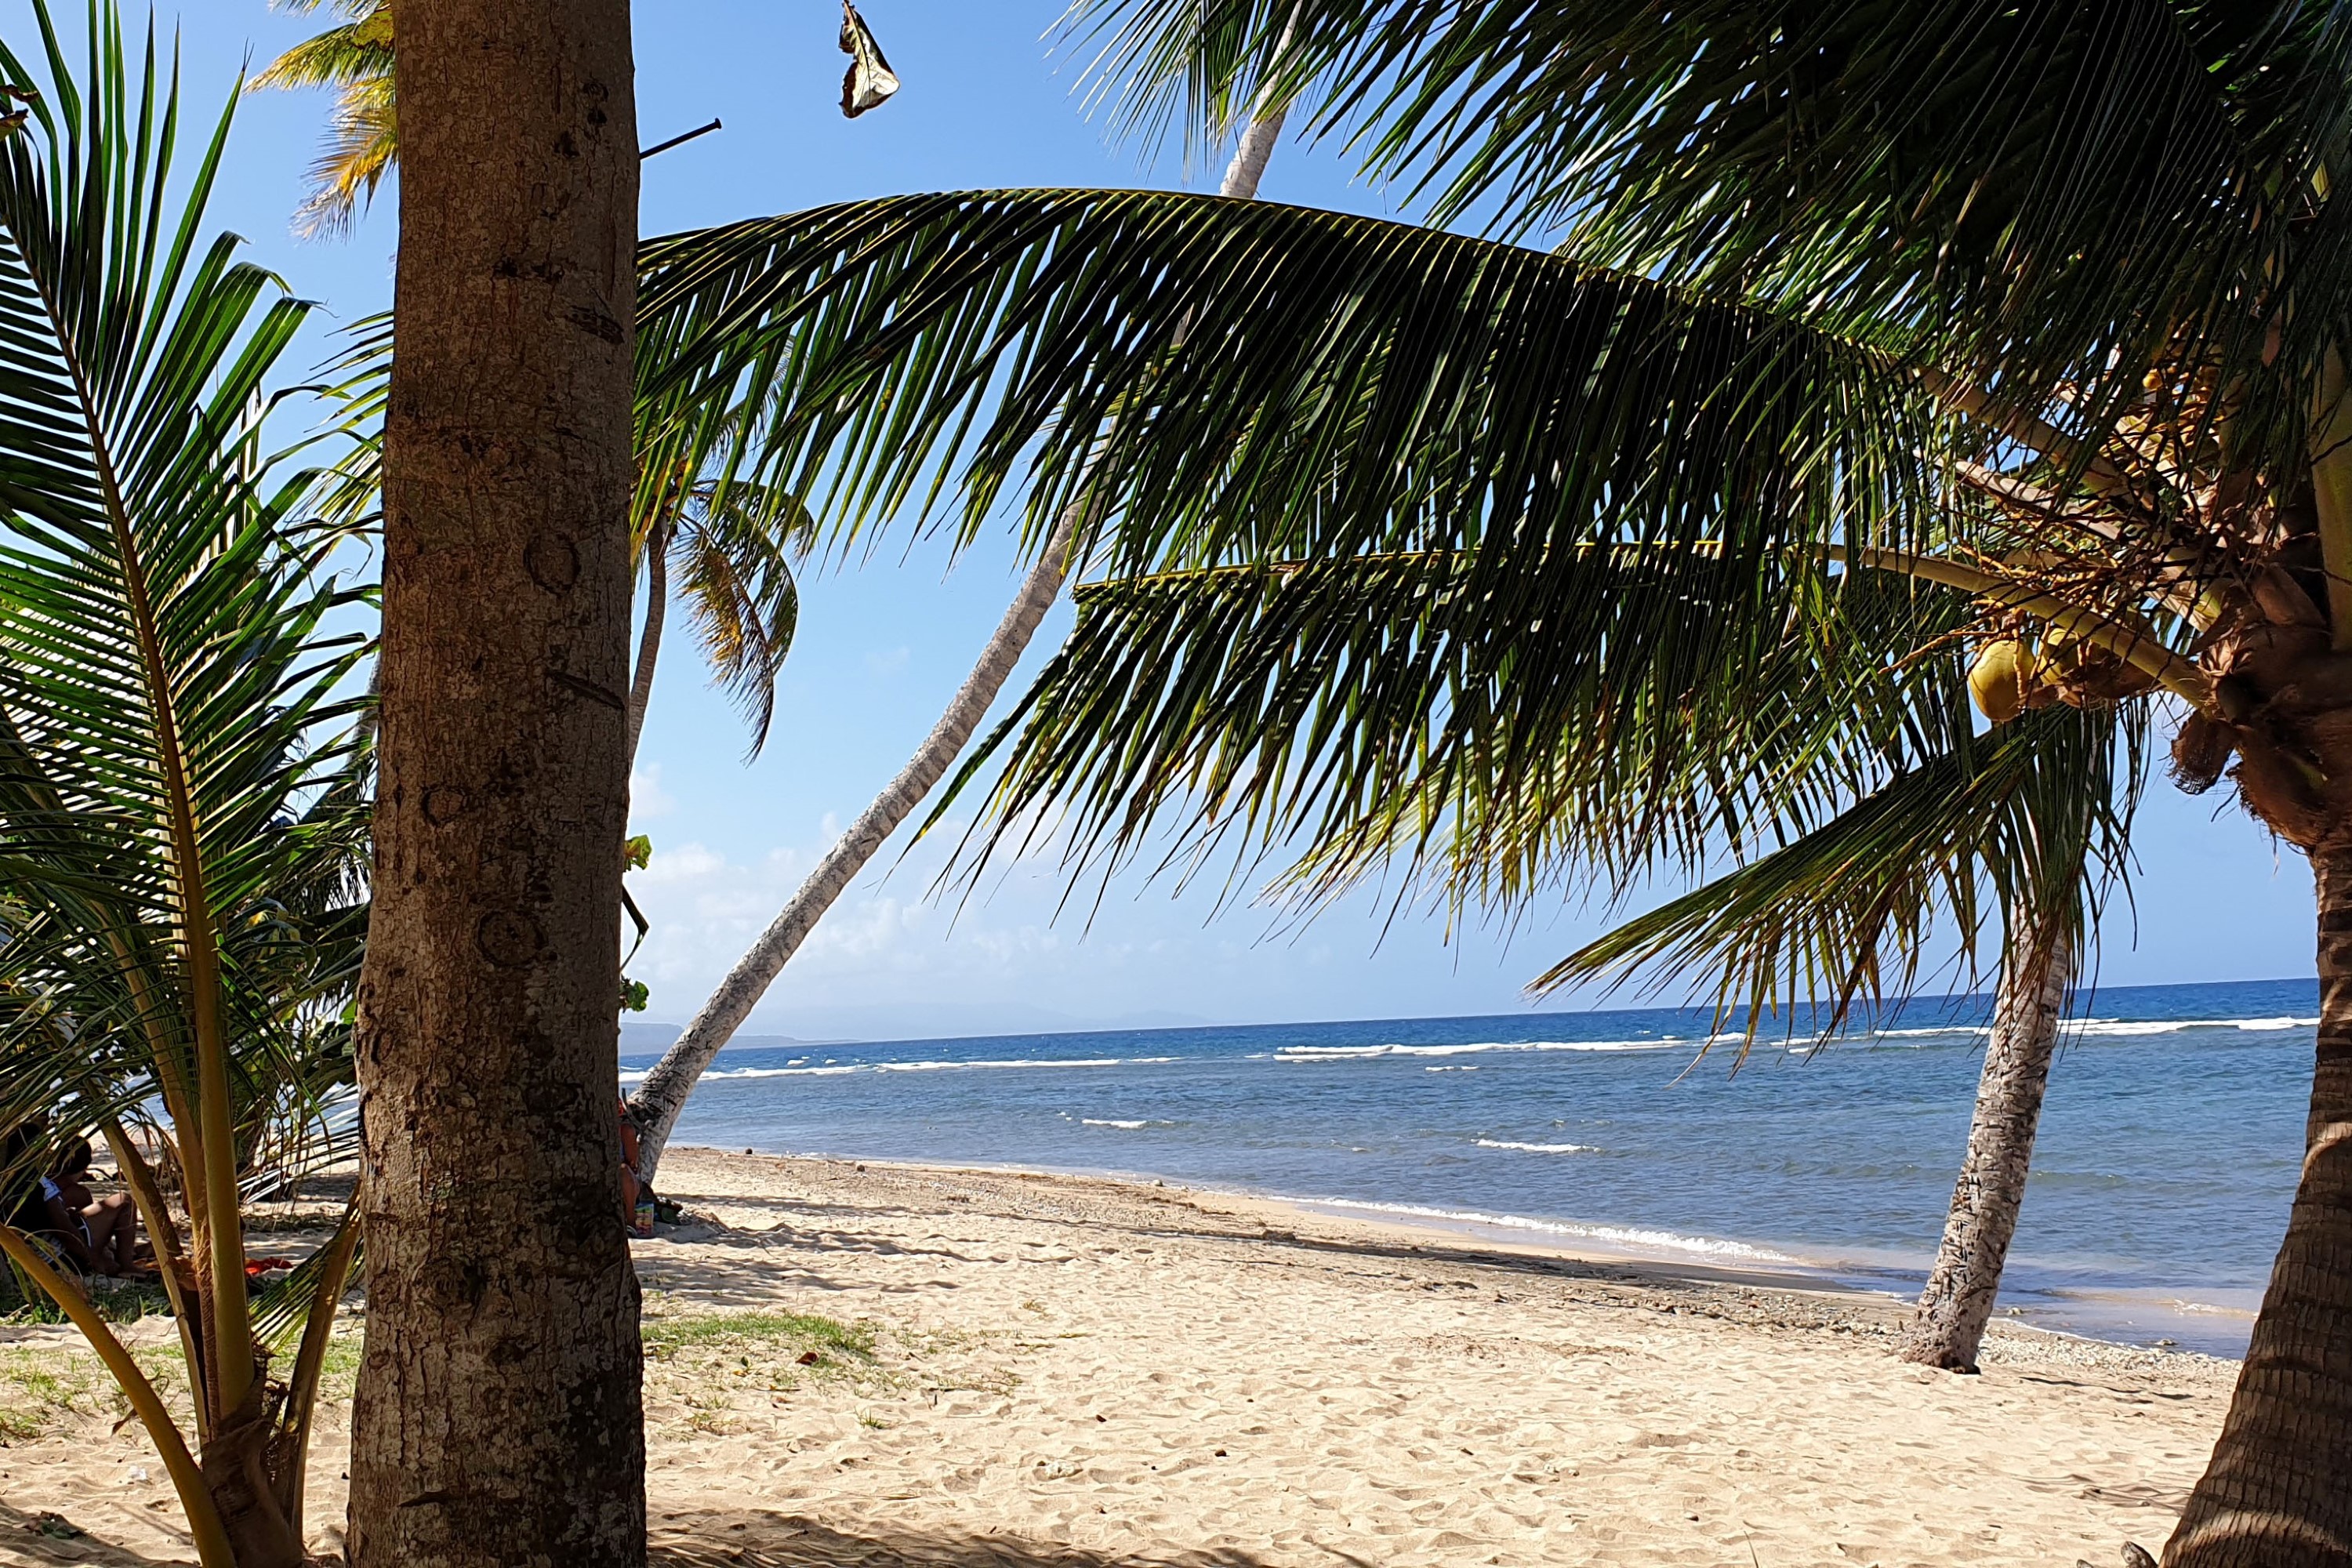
(731, 548)
(182, 768)
(354, 57)
(1842, 911)
(1878, 333)
(497, 1418)
(661, 1098)
(745, 632)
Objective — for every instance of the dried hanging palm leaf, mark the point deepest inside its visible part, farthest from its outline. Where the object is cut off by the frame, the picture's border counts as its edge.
(870, 79)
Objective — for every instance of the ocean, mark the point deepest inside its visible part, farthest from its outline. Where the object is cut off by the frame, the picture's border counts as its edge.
(2167, 1155)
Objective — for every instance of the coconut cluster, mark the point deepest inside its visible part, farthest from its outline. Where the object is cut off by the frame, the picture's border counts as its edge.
(2011, 675)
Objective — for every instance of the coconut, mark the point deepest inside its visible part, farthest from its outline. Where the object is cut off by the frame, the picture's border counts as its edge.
(2002, 678)
(2200, 750)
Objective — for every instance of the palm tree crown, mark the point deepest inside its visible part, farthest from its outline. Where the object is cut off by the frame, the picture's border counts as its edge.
(354, 57)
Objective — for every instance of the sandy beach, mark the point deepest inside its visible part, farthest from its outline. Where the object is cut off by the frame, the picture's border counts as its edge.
(877, 1364)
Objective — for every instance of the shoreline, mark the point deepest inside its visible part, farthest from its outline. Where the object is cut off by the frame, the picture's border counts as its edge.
(2151, 1322)
(1420, 1229)
(851, 1364)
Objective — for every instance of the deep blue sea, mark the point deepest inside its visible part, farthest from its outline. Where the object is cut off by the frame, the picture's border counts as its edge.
(2169, 1150)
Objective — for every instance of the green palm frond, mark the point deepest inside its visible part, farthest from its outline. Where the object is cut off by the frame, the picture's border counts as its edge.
(734, 545)
(364, 134)
(1352, 710)
(1361, 713)
(363, 145)
(355, 386)
(1841, 915)
(2055, 192)
(1421, 544)
(182, 760)
(358, 51)
(1318, 383)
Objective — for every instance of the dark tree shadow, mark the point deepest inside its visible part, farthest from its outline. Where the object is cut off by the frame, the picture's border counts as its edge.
(46, 1539)
(690, 1539)
(752, 1539)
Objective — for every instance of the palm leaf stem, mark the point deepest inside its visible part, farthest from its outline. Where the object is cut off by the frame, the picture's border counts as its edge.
(2331, 493)
(302, 1383)
(212, 1548)
(232, 1366)
(2176, 675)
(163, 1233)
(2098, 471)
(2016, 492)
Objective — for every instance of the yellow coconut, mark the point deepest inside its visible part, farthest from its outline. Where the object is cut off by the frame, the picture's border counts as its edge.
(2003, 675)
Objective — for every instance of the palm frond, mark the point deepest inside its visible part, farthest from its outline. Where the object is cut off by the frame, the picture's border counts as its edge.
(358, 51)
(736, 544)
(363, 145)
(364, 136)
(2054, 194)
(181, 757)
(1244, 381)
(1598, 705)
(1842, 915)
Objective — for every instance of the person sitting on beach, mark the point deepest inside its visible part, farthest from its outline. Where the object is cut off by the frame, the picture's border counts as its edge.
(98, 1236)
(21, 1201)
(636, 1211)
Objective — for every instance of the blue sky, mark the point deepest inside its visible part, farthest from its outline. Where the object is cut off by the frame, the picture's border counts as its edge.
(985, 103)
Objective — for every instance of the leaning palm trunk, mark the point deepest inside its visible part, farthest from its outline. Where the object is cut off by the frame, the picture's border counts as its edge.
(1959, 1300)
(2279, 1488)
(656, 1105)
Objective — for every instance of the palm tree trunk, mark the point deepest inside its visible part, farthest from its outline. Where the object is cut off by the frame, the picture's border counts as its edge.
(1959, 1300)
(641, 684)
(656, 1105)
(498, 1420)
(2278, 1490)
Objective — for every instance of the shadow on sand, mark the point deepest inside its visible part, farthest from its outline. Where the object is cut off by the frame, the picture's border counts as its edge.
(752, 1539)
(698, 1539)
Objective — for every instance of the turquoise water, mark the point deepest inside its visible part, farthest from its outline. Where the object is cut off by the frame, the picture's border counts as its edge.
(2168, 1151)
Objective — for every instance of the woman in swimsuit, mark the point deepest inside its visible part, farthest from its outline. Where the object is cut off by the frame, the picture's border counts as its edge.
(100, 1236)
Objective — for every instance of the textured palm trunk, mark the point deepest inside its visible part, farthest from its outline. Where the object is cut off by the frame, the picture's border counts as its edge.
(1959, 1300)
(656, 1105)
(498, 1422)
(2278, 1490)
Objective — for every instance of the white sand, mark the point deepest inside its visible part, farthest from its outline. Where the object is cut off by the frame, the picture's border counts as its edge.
(1076, 1373)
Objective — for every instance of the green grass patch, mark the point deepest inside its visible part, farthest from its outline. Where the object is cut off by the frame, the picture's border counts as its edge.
(118, 1301)
(833, 1343)
(338, 1369)
(46, 1388)
(39, 1389)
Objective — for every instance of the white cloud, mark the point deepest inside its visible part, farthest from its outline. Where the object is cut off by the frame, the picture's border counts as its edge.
(647, 799)
(894, 957)
(688, 862)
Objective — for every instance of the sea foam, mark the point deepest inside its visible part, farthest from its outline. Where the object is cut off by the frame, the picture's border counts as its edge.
(1621, 1236)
